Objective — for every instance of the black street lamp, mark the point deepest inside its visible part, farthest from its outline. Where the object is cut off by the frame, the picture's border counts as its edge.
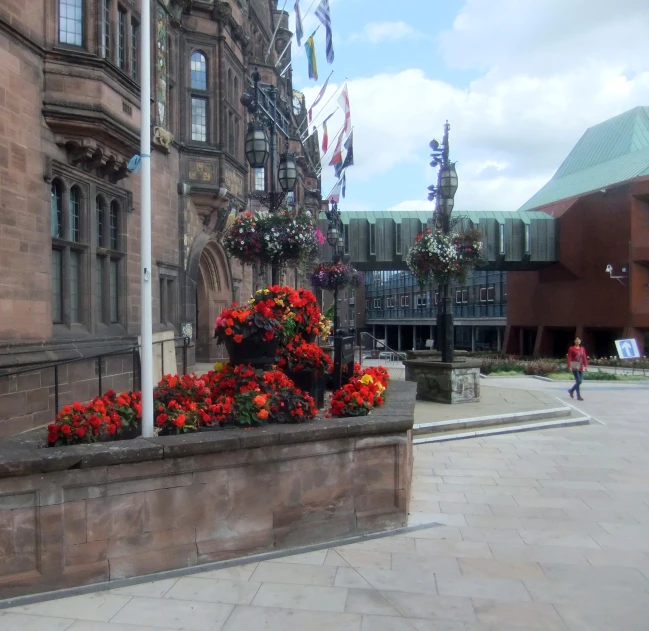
(337, 243)
(444, 194)
(259, 145)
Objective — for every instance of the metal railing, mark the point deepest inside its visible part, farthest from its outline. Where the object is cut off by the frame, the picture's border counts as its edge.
(394, 366)
(133, 350)
(489, 310)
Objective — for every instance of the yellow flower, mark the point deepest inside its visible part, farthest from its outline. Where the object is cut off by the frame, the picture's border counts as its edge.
(367, 379)
(279, 303)
(218, 367)
(380, 387)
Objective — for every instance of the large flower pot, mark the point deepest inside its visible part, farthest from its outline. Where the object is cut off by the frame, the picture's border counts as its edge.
(252, 351)
(311, 382)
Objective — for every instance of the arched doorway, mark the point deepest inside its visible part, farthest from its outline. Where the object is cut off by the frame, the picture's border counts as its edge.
(213, 294)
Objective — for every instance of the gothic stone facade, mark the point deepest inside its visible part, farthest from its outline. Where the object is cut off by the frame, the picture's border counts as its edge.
(69, 207)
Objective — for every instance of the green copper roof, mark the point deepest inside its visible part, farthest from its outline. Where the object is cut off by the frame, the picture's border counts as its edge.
(614, 151)
(475, 216)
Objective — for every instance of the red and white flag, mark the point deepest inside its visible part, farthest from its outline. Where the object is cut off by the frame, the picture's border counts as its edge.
(319, 97)
(334, 196)
(343, 101)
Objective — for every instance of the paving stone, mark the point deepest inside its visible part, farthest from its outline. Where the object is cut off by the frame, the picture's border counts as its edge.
(432, 607)
(410, 580)
(532, 616)
(385, 623)
(510, 591)
(213, 590)
(245, 618)
(96, 607)
(305, 597)
(349, 577)
(486, 568)
(369, 601)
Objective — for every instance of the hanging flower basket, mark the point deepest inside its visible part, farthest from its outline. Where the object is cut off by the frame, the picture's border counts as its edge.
(331, 276)
(441, 258)
(273, 239)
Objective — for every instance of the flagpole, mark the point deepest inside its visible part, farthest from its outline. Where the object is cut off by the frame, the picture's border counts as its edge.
(146, 317)
(322, 109)
(275, 33)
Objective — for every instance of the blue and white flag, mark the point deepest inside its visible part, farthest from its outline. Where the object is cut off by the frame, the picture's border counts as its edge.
(299, 30)
(323, 14)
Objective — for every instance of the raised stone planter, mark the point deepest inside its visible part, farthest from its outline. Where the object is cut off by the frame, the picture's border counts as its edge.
(457, 382)
(72, 516)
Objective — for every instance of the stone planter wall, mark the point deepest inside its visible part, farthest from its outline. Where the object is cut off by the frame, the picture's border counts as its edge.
(72, 516)
(458, 382)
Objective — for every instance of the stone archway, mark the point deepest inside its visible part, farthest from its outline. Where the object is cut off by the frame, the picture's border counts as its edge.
(212, 292)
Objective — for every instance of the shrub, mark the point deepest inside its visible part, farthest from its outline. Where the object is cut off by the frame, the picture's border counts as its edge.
(490, 366)
(541, 367)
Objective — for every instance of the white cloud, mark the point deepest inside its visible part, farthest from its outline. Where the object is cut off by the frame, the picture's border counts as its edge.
(377, 32)
(551, 70)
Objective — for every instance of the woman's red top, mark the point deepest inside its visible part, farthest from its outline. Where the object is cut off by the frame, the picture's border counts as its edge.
(577, 358)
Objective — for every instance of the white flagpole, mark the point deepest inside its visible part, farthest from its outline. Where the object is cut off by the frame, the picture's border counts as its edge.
(146, 317)
(272, 41)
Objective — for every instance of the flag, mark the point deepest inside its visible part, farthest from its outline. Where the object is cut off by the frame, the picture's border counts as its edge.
(299, 30)
(343, 101)
(322, 13)
(309, 46)
(320, 95)
(344, 184)
(338, 152)
(334, 196)
(338, 169)
(325, 134)
(349, 145)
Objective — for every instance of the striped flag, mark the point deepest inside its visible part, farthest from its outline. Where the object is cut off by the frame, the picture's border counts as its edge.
(299, 30)
(325, 134)
(334, 196)
(343, 101)
(344, 184)
(309, 46)
(320, 95)
(323, 14)
(337, 157)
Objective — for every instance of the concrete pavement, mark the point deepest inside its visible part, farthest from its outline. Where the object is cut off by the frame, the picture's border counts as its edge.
(540, 531)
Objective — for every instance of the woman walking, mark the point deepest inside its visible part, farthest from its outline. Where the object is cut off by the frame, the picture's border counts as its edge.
(577, 364)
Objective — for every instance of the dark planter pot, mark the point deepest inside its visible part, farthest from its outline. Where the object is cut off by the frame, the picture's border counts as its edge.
(310, 338)
(311, 382)
(252, 351)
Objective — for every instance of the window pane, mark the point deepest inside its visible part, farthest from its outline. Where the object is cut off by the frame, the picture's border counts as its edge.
(135, 49)
(57, 289)
(105, 29)
(121, 39)
(260, 179)
(99, 205)
(75, 264)
(114, 313)
(199, 119)
(100, 289)
(114, 226)
(71, 22)
(198, 72)
(75, 215)
(57, 210)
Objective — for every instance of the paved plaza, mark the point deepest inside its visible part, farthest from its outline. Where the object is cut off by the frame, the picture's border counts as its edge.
(540, 531)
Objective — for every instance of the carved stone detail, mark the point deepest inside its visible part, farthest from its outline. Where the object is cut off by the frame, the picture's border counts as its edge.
(162, 139)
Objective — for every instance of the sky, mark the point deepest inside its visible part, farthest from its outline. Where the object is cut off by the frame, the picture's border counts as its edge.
(519, 82)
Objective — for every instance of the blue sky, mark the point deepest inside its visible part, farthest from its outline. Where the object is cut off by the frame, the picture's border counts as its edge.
(519, 82)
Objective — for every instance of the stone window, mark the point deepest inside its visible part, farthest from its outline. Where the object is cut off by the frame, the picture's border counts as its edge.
(68, 252)
(121, 39)
(168, 300)
(135, 49)
(108, 260)
(260, 179)
(71, 22)
(105, 28)
(198, 71)
(199, 119)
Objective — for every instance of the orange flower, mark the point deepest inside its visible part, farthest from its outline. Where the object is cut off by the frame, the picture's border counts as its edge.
(259, 401)
(238, 338)
(262, 415)
(228, 331)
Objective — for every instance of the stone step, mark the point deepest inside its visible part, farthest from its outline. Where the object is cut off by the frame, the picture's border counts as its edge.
(495, 419)
(454, 433)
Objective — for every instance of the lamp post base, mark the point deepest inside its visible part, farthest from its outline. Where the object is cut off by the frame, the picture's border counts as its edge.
(448, 341)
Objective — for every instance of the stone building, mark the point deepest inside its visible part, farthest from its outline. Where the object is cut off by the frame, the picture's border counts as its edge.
(69, 207)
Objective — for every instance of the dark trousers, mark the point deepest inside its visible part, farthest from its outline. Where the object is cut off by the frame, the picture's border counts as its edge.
(579, 377)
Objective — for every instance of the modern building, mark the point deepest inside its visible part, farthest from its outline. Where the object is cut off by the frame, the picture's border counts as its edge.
(69, 206)
(598, 288)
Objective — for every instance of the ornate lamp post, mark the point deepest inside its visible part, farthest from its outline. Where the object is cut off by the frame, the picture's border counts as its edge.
(335, 240)
(259, 145)
(444, 194)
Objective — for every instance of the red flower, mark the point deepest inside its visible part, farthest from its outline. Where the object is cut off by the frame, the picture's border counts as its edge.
(238, 338)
